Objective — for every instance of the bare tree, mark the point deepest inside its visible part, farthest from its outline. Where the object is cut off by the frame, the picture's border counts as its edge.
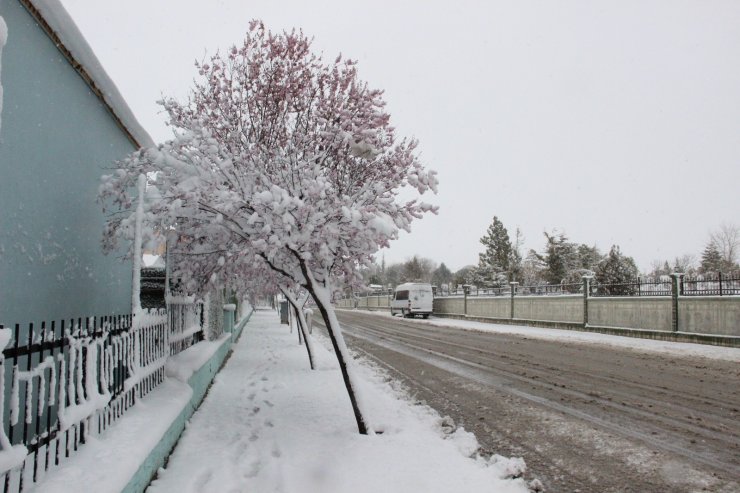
(727, 240)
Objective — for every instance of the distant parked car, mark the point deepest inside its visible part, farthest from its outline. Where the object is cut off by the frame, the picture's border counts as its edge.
(411, 299)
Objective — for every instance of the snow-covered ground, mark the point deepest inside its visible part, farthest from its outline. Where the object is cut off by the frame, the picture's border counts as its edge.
(646, 345)
(269, 423)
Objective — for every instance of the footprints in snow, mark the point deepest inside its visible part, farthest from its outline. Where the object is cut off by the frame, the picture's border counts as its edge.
(247, 456)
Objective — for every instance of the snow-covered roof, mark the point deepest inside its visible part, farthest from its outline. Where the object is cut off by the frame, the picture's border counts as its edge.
(53, 17)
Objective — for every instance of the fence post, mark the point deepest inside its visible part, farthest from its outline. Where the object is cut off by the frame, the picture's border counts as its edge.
(229, 310)
(586, 296)
(466, 289)
(675, 294)
(513, 285)
(719, 277)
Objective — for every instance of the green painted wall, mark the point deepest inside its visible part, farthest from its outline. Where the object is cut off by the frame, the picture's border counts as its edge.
(55, 141)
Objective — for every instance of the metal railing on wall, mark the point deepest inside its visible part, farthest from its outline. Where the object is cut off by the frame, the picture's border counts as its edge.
(708, 284)
(711, 284)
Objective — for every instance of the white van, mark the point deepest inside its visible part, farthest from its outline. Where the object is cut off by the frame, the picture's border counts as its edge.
(411, 299)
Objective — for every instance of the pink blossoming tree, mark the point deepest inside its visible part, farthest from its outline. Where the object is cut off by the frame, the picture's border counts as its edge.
(281, 158)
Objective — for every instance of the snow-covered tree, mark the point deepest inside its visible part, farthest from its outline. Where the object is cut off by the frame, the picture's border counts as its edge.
(685, 264)
(282, 158)
(616, 268)
(515, 261)
(711, 259)
(441, 275)
(559, 258)
(393, 274)
(418, 269)
(496, 258)
(531, 270)
(588, 257)
(464, 276)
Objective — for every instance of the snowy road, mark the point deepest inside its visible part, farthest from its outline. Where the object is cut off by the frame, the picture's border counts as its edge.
(585, 417)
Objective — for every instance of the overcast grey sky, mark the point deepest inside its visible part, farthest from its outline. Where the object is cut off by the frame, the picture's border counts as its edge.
(617, 122)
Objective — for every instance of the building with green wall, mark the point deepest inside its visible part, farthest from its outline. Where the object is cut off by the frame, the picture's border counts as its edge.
(62, 123)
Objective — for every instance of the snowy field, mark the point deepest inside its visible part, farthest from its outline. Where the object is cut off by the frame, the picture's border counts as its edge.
(269, 423)
(645, 345)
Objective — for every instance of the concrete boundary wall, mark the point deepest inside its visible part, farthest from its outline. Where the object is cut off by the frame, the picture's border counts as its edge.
(700, 315)
(487, 307)
(648, 313)
(374, 302)
(709, 315)
(567, 309)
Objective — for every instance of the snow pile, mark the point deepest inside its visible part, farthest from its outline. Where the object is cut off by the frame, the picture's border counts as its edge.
(107, 462)
(579, 337)
(3, 40)
(5, 336)
(271, 424)
(182, 365)
(150, 260)
(12, 456)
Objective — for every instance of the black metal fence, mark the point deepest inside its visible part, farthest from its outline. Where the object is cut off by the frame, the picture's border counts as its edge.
(62, 381)
(709, 284)
(186, 322)
(638, 287)
(505, 290)
(444, 291)
(549, 289)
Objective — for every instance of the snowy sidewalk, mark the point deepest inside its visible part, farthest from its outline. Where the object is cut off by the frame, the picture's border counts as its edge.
(271, 424)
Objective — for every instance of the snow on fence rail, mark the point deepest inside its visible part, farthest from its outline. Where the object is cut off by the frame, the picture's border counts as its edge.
(711, 284)
(186, 320)
(61, 382)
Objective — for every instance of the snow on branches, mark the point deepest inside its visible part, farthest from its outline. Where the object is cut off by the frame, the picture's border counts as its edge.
(278, 158)
(278, 154)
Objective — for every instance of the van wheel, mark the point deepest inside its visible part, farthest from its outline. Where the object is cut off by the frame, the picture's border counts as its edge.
(425, 316)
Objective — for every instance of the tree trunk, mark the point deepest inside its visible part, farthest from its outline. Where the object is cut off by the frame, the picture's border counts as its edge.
(301, 326)
(321, 296)
(301, 329)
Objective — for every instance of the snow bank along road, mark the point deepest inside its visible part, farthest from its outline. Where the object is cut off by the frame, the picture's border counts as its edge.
(585, 416)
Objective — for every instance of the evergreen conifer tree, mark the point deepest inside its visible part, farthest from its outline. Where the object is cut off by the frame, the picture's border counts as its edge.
(442, 275)
(560, 257)
(616, 269)
(711, 258)
(495, 261)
